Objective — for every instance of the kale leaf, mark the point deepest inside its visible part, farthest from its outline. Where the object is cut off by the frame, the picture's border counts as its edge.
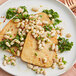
(11, 12)
(64, 44)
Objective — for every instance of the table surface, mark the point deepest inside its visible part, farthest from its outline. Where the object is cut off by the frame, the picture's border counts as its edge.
(71, 72)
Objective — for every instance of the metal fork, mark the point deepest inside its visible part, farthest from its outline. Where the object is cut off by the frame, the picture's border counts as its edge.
(70, 3)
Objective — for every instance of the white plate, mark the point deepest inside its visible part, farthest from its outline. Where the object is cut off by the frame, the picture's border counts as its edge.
(69, 24)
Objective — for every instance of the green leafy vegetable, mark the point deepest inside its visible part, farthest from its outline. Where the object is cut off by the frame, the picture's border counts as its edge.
(63, 60)
(38, 38)
(5, 57)
(49, 35)
(17, 37)
(57, 21)
(35, 54)
(55, 16)
(24, 7)
(3, 44)
(12, 50)
(64, 44)
(20, 16)
(50, 49)
(57, 28)
(9, 60)
(47, 28)
(11, 12)
(40, 15)
(51, 12)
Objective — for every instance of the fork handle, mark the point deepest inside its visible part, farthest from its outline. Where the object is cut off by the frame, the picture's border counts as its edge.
(2, 1)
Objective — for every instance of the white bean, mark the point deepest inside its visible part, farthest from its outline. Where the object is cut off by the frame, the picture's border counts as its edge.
(30, 66)
(4, 62)
(18, 53)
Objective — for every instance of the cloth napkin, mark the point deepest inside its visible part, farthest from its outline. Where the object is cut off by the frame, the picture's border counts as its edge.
(70, 72)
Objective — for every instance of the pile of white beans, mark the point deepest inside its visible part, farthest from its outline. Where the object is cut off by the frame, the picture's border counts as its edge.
(9, 60)
(37, 69)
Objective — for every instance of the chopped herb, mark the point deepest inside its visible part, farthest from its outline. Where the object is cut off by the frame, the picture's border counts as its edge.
(47, 28)
(10, 36)
(16, 44)
(35, 70)
(41, 69)
(35, 54)
(49, 35)
(9, 60)
(11, 12)
(51, 12)
(24, 7)
(5, 57)
(64, 44)
(55, 16)
(50, 49)
(40, 16)
(12, 50)
(26, 16)
(12, 63)
(32, 18)
(3, 44)
(64, 60)
(57, 21)
(38, 38)
(17, 37)
(20, 16)
(57, 28)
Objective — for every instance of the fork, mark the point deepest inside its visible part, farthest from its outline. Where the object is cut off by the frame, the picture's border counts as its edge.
(70, 3)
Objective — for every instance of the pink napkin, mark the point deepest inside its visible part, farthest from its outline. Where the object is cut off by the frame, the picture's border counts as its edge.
(71, 72)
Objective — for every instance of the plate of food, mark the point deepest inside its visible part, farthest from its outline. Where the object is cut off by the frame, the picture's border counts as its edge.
(37, 37)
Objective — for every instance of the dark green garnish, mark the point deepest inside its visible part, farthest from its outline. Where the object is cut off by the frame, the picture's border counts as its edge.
(57, 28)
(20, 16)
(35, 54)
(10, 36)
(38, 38)
(5, 57)
(12, 63)
(3, 44)
(64, 60)
(12, 51)
(49, 35)
(40, 15)
(50, 49)
(64, 44)
(17, 37)
(24, 7)
(9, 60)
(55, 16)
(57, 21)
(47, 28)
(11, 12)
(51, 12)
(41, 69)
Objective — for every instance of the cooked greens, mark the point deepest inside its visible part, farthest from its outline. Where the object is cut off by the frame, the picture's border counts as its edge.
(64, 44)
(56, 21)
(64, 60)
(20, 16)
(3, 44)
(47, 28)
(24, 7)
(54, 15)
(11, 12)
